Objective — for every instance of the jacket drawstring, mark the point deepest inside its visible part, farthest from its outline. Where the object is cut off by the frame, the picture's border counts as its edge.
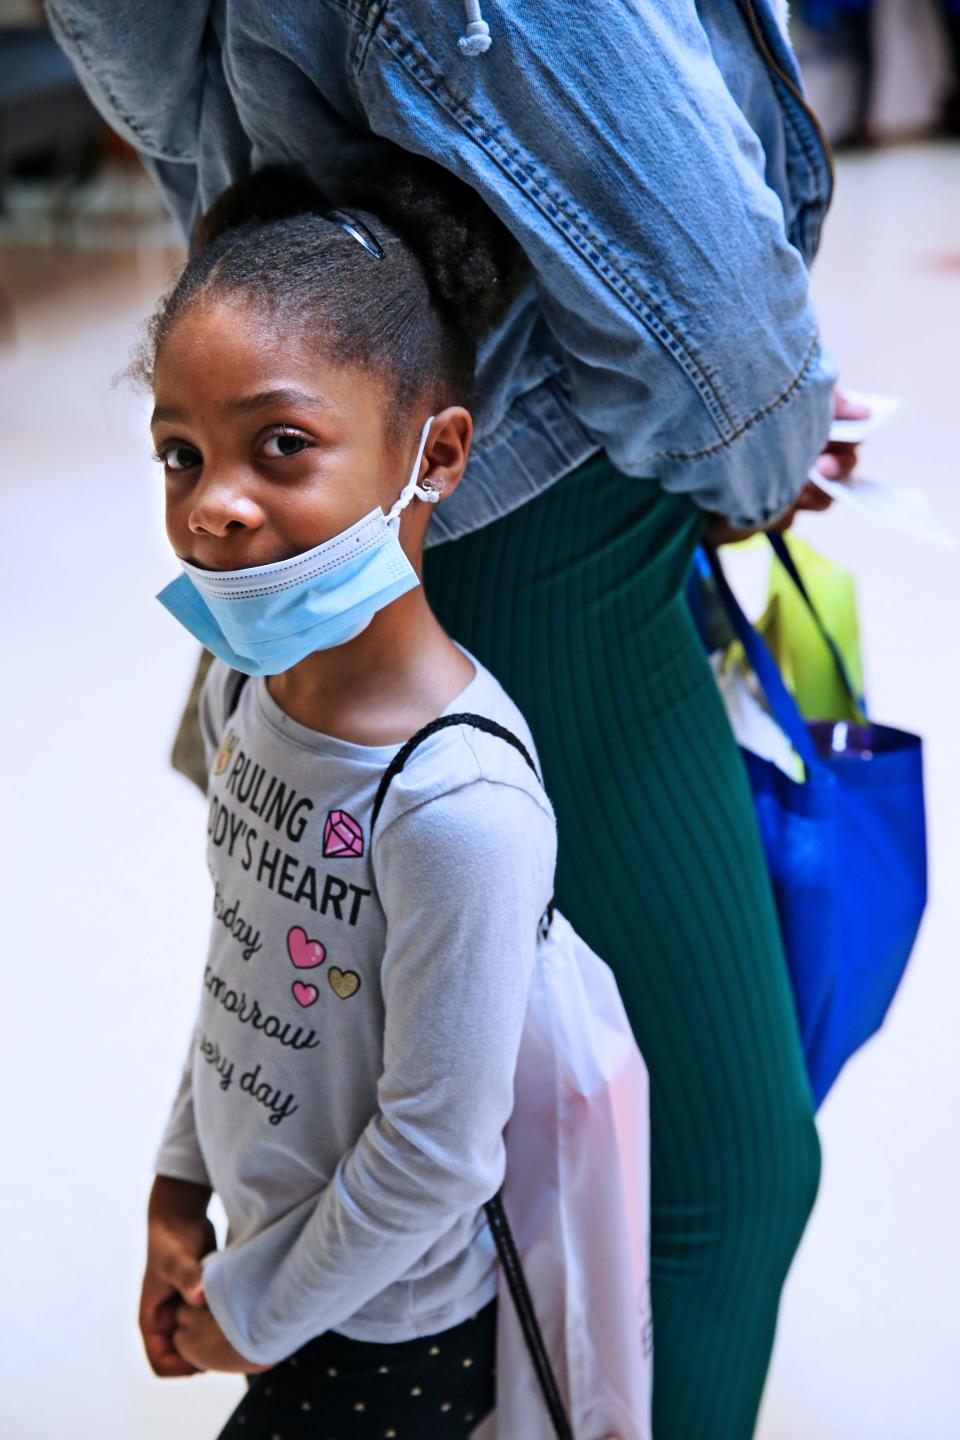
(477, 39)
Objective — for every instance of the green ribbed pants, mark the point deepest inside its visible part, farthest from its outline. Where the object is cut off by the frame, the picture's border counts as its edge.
(576, 603)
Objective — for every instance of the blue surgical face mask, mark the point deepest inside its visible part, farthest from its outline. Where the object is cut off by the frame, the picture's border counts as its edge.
(265, 618)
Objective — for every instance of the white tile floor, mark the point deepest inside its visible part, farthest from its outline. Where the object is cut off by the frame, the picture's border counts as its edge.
(105, 884)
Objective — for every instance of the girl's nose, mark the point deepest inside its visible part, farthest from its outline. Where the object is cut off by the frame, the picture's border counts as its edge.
(221, 503)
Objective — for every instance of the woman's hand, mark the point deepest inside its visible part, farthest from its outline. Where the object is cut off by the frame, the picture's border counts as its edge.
(202, 1345)
(178, 1236)
(837, 461)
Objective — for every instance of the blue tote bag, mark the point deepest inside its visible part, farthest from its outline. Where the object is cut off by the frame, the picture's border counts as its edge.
(846, 849)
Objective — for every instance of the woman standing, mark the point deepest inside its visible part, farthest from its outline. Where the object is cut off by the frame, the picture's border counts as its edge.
(659, 168)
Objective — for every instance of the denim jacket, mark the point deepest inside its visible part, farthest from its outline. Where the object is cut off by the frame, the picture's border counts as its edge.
(656, 161)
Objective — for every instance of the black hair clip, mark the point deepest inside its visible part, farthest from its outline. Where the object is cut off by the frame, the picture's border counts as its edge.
(357, 229)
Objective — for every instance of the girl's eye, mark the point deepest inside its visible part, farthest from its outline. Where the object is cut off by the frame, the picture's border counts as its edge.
(178, 457)
(286, 442)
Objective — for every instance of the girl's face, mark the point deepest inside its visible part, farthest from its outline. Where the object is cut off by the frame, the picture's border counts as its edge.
(269, 449)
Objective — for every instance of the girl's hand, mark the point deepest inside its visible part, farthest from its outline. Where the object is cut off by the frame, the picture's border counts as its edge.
(837, 461)
(202, 1345)
(178, 1236)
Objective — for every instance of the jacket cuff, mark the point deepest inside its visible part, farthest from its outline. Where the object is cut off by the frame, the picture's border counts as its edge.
(754, 475)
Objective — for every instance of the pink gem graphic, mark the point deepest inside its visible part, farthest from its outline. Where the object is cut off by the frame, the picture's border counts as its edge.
(342, 836)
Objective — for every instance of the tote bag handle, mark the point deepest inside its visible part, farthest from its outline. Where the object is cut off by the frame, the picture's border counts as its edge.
(783, 707)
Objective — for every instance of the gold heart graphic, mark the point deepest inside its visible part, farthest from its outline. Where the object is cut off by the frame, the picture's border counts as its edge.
(343, 982)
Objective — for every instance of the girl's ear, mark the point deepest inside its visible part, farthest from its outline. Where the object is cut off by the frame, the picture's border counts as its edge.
(446, 451)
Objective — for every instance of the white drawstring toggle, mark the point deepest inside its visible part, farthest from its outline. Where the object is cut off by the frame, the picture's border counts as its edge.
(477, 39)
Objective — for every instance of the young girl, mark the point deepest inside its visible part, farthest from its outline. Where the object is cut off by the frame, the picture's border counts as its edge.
(351, 1069)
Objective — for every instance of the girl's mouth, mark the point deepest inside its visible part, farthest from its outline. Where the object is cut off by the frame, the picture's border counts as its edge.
(240, 563)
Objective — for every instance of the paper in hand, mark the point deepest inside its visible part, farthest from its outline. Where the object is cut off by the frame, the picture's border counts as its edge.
(906, 510)
(882, 409)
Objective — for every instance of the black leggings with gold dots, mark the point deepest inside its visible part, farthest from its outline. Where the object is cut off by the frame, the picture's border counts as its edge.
(438, 1387)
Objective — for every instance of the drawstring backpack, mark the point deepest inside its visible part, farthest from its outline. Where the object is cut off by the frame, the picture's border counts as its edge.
(571, 1222)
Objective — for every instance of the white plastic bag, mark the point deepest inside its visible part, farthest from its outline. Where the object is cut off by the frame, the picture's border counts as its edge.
(577, 1196)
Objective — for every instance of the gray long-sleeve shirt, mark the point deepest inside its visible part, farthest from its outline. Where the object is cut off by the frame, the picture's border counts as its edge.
(351, 1067)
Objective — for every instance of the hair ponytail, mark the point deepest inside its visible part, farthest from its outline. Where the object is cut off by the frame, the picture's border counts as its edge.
(474, 266)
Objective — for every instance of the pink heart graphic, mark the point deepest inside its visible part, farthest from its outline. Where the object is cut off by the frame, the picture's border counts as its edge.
(304, 994)
(303, 952)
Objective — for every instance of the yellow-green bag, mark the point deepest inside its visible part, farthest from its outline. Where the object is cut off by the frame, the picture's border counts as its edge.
(799, 648)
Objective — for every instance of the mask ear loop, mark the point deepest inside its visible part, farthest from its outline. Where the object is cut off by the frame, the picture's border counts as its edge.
(413, 487)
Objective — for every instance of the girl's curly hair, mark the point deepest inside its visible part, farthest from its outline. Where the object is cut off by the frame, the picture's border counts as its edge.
(449, 270)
